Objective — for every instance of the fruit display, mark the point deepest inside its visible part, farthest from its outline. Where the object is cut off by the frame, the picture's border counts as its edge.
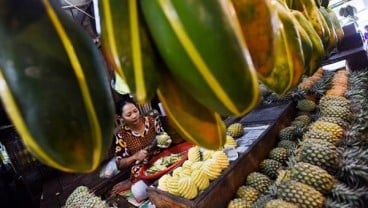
(326, 162)
(195, 174)
(197, 76)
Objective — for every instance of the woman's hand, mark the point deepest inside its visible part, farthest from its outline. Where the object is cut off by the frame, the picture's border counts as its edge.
(141, 155)
(121, 187)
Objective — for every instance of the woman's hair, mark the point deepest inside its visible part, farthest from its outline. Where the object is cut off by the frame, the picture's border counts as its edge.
(121, 103)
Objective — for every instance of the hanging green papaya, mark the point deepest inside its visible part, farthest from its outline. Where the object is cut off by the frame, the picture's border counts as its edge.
(128, 48)
(312, 13)
(192, 120)
(54, 86)
(336, 24)
(307, 47)
(332, 42)
(294, 51)
(260, 40)
(318, 51)
(266, 44)
(201, 43)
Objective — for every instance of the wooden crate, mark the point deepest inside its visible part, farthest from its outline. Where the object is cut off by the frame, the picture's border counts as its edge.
(222, 190)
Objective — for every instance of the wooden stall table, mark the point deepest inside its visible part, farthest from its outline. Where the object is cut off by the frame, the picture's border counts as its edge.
(261, 130)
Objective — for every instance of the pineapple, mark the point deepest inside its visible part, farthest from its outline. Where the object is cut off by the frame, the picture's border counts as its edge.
(81, 197)
(301, 194)
(329, 98)
(306, 105)
(337, 111)
(339, 121)
(298, 124)
(313, 176)
(235, 130)
(248, 193)
(287, 133)
(319, 154)
(328, 103)
(324, 143)
(258, 181)
(269, 167)
(337, 130)
(78, 192)
(279, 154)
(322, 135)
(230, 142)
(278, 203)
(287, 144)
(239, 203)
(303, 118)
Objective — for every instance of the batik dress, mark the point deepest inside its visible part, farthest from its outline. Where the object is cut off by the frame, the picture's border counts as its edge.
(128, 142)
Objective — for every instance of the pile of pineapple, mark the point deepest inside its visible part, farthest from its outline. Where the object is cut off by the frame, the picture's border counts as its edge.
(82, 197)
(196, 173)
(310, 87)
(321, 159)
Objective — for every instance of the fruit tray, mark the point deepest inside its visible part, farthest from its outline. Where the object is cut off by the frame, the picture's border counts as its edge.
(183, 147)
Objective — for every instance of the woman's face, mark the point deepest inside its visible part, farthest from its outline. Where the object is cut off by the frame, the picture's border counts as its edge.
(130, 114)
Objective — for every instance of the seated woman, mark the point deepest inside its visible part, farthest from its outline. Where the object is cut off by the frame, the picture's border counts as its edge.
(133, 137)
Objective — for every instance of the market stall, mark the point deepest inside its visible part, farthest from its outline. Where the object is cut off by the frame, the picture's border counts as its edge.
(252, 117)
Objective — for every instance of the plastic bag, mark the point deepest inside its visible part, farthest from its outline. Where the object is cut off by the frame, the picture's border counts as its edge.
(110, 169)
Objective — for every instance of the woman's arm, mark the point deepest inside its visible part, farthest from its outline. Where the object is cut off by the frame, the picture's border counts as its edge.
(127, 161)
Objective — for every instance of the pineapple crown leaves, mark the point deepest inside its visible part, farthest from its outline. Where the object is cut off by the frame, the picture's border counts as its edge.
(354, 174)
(292, 160)
(320, 87)
(298, 94)
(356, 153)
(330, 203)
(262, 201)
(354, 167)
(354, 197)
(299, 131)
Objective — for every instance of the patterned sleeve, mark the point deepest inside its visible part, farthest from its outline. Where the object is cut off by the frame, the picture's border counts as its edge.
(158, 125)
(121, 150)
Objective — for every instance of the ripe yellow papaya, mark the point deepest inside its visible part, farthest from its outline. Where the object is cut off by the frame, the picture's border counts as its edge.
(318, 51)
(128, 48)
(54, 86)
(202, 45)
(192, 120)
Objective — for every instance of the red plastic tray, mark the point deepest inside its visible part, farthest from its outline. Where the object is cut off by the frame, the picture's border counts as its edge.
(182, 147)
